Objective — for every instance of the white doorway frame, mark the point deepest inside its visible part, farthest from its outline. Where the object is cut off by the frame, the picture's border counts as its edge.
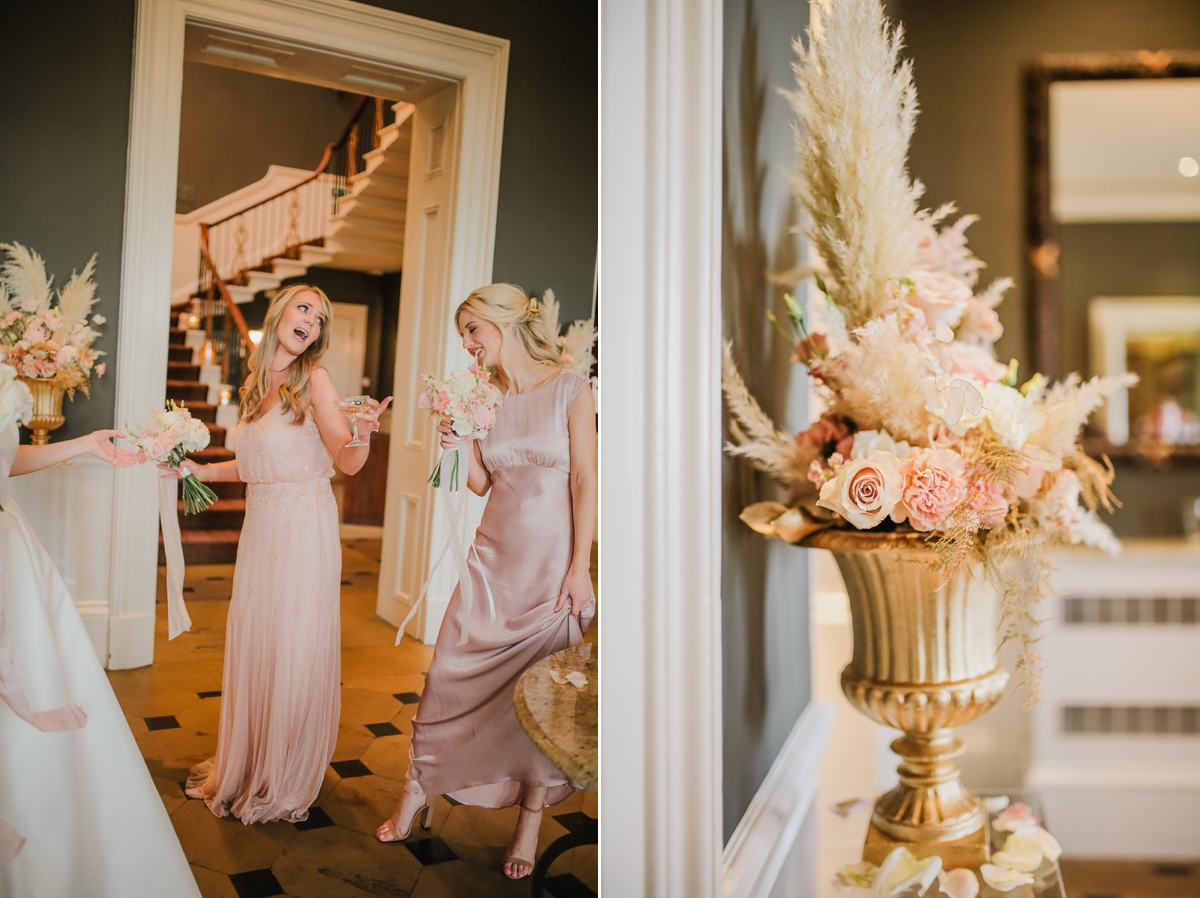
(660, 448)
(479, 63)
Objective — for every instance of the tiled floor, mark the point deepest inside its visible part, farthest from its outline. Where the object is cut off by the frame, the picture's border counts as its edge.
(173, 707)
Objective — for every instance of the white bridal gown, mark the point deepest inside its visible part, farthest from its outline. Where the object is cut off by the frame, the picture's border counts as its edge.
(83, 799)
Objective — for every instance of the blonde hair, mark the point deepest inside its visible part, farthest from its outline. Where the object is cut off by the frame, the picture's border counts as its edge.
(291, 392)
(503, 304)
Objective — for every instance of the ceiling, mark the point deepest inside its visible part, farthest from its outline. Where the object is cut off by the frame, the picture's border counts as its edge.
(296, 61)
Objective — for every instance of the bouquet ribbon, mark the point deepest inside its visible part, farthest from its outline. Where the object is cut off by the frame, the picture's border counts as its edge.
(68, 717)
(178, 620)
(456, 511)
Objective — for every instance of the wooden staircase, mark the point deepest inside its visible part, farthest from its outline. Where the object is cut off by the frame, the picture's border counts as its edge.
(210, 537)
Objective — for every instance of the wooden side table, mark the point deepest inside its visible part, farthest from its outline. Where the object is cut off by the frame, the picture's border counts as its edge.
(561, 720)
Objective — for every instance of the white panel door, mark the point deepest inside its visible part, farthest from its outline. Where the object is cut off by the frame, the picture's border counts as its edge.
(347, 353)
(424, 336)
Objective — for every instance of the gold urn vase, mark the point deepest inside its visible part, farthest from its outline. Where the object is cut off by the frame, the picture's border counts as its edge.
(47, 408)
(924, 662)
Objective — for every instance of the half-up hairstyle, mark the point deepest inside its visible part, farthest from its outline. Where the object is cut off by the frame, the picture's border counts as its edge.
(295, 385)
(503, 304)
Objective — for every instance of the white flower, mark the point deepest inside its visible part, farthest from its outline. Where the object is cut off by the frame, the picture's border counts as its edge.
(1019, 853)
(868, 441)
(865, 490)
(1012, 416)
(98, 319)
(1051, 850)
(16, 402)
(1004, 880)
(901, 870)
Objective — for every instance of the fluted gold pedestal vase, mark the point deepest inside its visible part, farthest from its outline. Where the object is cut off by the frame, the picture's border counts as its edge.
(924, 662)
(47, 408)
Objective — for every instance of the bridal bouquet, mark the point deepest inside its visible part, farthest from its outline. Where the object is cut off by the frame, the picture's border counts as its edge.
(16, 402)
(922, 428)
(168, 438)
(468, 402)
(39, 339)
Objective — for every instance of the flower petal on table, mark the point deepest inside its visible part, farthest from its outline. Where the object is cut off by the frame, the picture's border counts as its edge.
(960, 883)
(900, 870)
(1019, 854)
(855, 876)
(1004, 880)
(1051, 850)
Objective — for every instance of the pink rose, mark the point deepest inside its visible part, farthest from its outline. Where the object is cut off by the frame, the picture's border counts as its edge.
(986, 500)
(913, 326)
(865, 490)
(826, 433)
(940, 296)
(483, 418)
(982, 320)
(972, 361)
(811, 349)
(441, 401)
(933, 486)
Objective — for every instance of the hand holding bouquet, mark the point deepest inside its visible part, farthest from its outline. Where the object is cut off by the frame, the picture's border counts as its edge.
(466, 401)
(167, 439)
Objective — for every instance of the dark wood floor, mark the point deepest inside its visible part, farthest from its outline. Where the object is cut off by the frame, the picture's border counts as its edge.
(1130, 879)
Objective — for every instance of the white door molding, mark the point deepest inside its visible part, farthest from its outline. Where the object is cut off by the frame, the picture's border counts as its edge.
(479, 64)
(660, 448)
(758, 848)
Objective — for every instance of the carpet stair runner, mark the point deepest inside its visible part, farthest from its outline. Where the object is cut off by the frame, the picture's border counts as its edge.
(210, 537)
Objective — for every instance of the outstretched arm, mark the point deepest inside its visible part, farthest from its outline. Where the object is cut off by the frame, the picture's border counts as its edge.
(335, 432)
(581, 425)
(99, 444)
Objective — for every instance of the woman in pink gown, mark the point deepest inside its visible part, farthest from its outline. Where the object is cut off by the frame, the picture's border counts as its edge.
(538, 467)
(281, 689)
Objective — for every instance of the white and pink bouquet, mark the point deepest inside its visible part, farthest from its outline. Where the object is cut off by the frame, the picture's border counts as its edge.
(467, 401)
(167, 439)
(42, 340)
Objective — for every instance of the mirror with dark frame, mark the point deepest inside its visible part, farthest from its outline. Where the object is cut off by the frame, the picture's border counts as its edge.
(1112, 255)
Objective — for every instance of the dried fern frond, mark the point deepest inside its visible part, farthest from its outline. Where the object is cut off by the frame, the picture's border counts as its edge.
(1095, 479)
(5, 305)
(755, 436)
(24, 276)
(1068, 404)
(548, 309)
(881, 385)
(75, 300)
(856, 106)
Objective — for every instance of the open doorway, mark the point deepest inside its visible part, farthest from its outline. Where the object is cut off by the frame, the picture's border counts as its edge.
(430, 104)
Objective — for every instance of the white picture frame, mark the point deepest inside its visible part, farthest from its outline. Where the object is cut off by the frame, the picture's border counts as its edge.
(1111, 321)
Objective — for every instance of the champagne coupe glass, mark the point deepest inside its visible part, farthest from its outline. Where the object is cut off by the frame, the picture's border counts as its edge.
(352, 407)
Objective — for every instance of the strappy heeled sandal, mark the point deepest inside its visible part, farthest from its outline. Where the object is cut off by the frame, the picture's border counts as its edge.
(394, 835)
(523, 865)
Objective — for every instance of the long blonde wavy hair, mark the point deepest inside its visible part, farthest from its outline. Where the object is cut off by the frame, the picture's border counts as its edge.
(503, 304)
(254, 392)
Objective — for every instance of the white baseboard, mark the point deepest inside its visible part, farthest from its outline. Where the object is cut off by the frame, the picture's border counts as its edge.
(759, 846)
(130, 641)
(1132, 824)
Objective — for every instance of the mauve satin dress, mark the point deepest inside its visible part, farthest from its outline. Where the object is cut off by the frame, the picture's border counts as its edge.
(466, 740)
(280, 696)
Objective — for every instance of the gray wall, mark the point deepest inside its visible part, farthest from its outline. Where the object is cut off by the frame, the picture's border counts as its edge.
(767, 679)
(235, 124)
(65, 76)
(968, 146)
(63, 148)
(546, 224)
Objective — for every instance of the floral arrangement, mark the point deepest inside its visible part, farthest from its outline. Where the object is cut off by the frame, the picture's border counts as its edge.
(467, 401)
(1026, 848)
(167, 439)
(577, 344)
(42, 340)
(922, 429)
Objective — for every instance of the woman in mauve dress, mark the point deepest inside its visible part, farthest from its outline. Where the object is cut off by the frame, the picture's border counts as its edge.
(281, 686)
(538, 468)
